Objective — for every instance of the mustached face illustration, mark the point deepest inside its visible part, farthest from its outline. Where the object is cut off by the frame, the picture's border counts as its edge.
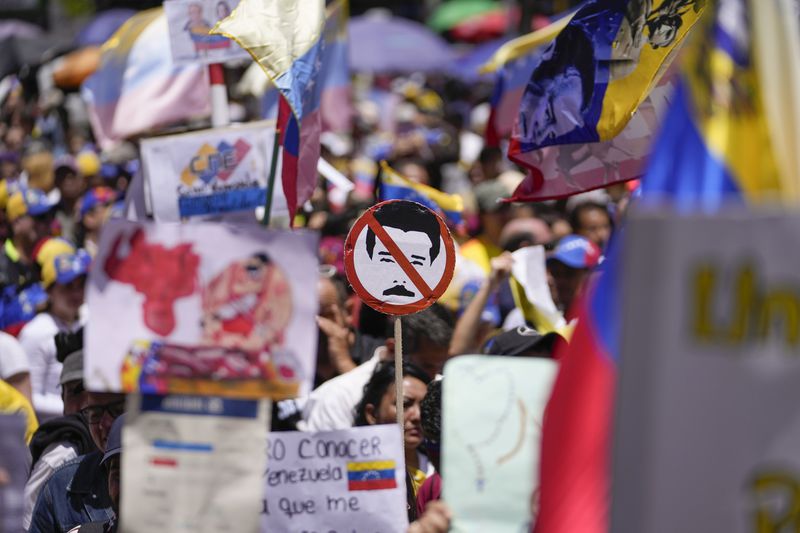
(247, 306)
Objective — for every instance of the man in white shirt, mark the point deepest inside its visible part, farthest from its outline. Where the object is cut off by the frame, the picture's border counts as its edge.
(426, 341)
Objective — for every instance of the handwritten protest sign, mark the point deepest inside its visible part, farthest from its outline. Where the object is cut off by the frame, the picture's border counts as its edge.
(399, 257)
(708, 427)
(210, 172)
(490, 467)
(189, 23)
(202, 309)
(193, 464)
(348, 481)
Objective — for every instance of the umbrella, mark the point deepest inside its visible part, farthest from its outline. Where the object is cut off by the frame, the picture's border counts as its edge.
(379, 43)
(453, 12)
(76, 67)
(103, 26)
(485, 26)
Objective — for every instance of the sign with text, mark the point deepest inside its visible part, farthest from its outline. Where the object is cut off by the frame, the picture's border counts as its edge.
(192, 464)
(347, 481)
(189, 23)
(211, 172)
(490, 469)
(202, 309)
(708, 432)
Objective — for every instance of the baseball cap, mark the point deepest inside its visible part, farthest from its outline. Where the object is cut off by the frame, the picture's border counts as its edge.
(72, 368)
(488, 195)
(114, 442)
(95, 197)
(576, 252)
(520, 341)
(29, 201)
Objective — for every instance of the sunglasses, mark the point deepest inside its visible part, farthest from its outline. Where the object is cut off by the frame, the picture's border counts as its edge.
(93, 414)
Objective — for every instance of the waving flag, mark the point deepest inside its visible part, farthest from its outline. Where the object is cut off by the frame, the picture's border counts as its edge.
(514, 62)
(598, 70)
(288, 38)
(137, 88)
(396, 187)
(719, 119)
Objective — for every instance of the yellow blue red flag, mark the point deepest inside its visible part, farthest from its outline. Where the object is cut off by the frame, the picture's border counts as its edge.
(396, 187)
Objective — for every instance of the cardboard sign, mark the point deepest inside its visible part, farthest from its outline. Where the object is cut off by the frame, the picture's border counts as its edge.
(399, 257)
(210, 172)
(708, 430)
(193, 464)
(490, 469)
(202, 309)
(189, 23)
(348, 481)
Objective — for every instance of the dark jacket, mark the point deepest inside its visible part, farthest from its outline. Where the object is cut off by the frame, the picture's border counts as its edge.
(69, 428)
(77, 493)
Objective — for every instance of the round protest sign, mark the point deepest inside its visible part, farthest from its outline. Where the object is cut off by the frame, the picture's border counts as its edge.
(399, 257)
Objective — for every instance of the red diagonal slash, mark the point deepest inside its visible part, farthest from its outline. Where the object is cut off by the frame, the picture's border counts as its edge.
(398, 255)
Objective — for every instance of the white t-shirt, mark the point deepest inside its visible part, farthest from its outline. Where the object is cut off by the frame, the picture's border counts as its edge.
(38, 341)
(13, 360)
(331, 405)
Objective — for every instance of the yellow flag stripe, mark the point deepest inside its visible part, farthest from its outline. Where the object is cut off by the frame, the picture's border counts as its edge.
(370, 465)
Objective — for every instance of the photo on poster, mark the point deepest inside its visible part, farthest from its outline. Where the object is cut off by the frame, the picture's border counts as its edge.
(202, 309)
(211, 173)
(189, 23)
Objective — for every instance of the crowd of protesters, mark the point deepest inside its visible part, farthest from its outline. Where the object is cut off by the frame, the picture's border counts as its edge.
(57, 189)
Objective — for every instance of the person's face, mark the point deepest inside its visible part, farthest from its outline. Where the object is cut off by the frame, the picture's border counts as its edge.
(566, 282)
(413, 392)
(71, 187)
(74, 396)
(114, 482)
(430, 357)
(25, 229)
(94, 218)
(223, 10)
(66, 299)
(553, 107)
(395, 283)
(415, 173)
(8, 169)
(595, 225)
(102, 408)
(195, 13)
(328, 299)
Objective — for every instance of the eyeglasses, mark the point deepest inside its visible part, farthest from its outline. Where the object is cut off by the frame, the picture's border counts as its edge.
(93, 414)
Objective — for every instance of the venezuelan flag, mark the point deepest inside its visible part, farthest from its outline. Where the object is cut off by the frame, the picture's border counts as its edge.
(371, 475)
(396, 187)
(289, 39)
(599, 69)
(739, 86)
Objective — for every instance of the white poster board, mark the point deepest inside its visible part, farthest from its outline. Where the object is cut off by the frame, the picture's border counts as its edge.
(211, 173)
(708, 429)
(189, 23)
(193, 464)
(347, 481)
(491, 436)
(202, 309)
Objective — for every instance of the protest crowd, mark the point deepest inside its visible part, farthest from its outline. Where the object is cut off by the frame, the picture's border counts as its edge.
(497, 121)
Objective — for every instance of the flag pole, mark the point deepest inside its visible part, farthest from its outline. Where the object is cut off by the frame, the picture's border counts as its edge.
(398, 371)
(273, 166)
(219, 96)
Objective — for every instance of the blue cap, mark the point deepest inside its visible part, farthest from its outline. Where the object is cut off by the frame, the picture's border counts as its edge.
(576, 252)
(114, 442)
(71, 266)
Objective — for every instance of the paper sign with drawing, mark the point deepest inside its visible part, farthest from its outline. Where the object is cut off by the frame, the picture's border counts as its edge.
(348, 481)
(202, 309)
(489, 469)
(189, 23)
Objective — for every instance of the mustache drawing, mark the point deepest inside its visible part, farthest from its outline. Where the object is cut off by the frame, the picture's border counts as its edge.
(398, 290)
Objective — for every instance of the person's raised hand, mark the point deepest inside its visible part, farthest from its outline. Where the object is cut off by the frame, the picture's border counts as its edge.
(501, 269)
